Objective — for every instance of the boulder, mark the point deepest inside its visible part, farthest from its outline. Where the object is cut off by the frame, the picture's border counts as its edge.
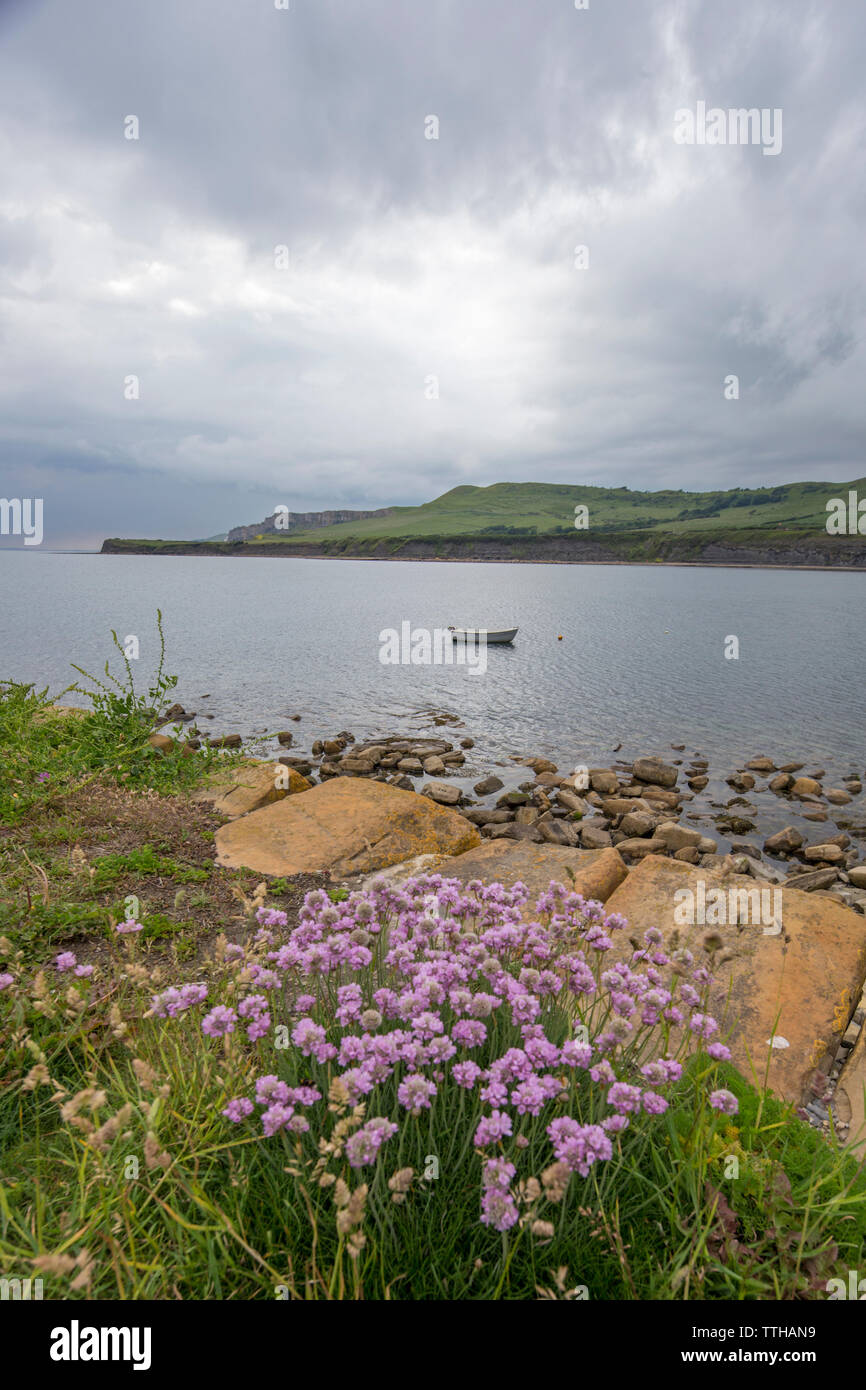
(782, 783)
(570, 801)
(238, 791)
(442, 793)
(638, 849)
(677, 837)
(601, 779)
(786, 997)
(810, 882)
(558, 832)
(637, 823)
(784, 841)
(741, 781)
(594, 836)
(654, 771)
(826, 854)
(596, 872)
(513, 831)
(285, 737)
(481, 816)
(804, 787)
(539, 764)
(761, 765)
(345, 826)
(162, 743)
(857, 875)
(413, 765)
(488, 785)
(837, 797)
(661, 796)
(434, 766)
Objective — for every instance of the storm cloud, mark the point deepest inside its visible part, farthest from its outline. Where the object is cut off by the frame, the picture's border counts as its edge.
(284, 291)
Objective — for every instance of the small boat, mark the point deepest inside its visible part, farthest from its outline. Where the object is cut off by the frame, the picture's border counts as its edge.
(486, 635)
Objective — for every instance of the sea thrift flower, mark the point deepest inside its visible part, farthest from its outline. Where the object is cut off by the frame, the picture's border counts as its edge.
(725, 1101)
(83, 971)
(219, 1021)
(719, 1052)
(6, 980)
(65, 961)
(415, 1093)
(276, 1117)
(464, 1073)
(492, 1128)
(238, 1109)
(128, 927)
(363, 1146)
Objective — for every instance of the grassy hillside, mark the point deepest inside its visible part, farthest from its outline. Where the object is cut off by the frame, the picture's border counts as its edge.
(512, 509)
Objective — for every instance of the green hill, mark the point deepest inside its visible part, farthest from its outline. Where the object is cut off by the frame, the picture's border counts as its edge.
(535, 509)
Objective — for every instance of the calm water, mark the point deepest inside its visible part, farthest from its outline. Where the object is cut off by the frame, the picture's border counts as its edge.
(641, 659)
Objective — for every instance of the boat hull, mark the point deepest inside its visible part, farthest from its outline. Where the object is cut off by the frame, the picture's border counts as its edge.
(496, 637)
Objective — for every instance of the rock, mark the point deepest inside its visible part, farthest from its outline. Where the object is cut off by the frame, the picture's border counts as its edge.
(707, 846)
(453, 759)
(442, 792)
(238, 791)
(467, 743)
(526, 815)
(318, 748)
(548, 779)
(697, 784)
(285, 738)
(621, 805)
(828, 854)
(333, 746)
(539, 765)
(762, 764)
(228, 741)
(594, 836)
(162, 743)
(416, 867)
(688, 855)
(637, 823)
(487, 785)
(347, 825)
(482, 816)
(675, 837)
(852, 1085)
(638, 849)
(513, 799)
(413, 765)
(596, 872)
(434, 765)
(661, 796)
(176, 714)
(654, 771)
(782, 783)
(857, 875)
(815, 815)
(791, 767)
(558, 832)
(735, 825)
(601, 779)
(804, 787)
(784, 841)
(741, 781)
(793, 985)
(512, 832)
(837, 797)
(353, 763)
(570, 801)
(808, 883)
(296, 717)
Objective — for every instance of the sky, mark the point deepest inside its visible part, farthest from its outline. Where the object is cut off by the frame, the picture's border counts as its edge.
(324, 256)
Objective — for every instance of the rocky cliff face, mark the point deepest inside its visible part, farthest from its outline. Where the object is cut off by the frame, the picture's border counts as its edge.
(299, 521)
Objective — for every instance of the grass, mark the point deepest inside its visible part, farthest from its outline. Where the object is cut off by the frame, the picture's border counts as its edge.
(120, 1178)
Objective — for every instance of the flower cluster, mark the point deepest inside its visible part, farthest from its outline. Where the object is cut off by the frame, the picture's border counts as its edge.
(436, 999)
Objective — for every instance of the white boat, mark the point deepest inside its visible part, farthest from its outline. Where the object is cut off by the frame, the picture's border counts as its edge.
(487, 635)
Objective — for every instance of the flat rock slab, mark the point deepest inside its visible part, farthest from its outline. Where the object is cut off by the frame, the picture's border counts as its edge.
(241, 789)
(347, 826)
(853, 1083)
(798, 986)
(597, 872)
